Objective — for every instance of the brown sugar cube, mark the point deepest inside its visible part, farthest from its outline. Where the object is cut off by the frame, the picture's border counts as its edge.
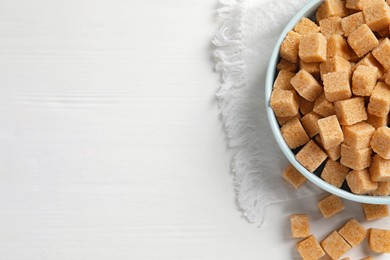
(309, 122)
(379, 104)
(290, 47)
(385, 32)
(333, 153)
(305, 106)
(330, 131)
(383, 189)
(312, 68)
(330, 206)
(352, 22)
(360, 4)
(312, 48)
(283, 120)
(350, 111)
(286, 65)
(377, 16)
(357, 159)
(299, 226)
(353, 232)
(379, 240)
(337, 46)
(369, 60)
(380, 142)
(294, 134)
(293, 176)
(310, 249)
(334, 173)
(311, 156)
(377, 121)
(306, 85)
(358, 136)
(331, 8)
(306, 26)
(330, 26)
(284, 102)
(364, 80)
(362, 40)
(283, 79)
(336, 86)
(323, 107)
(382, 53)
(334, 245)
(335, 64)
(373, 212)
(360, 183)
(380, 169)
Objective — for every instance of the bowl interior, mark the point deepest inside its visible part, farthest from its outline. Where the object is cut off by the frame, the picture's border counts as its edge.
(307, 11)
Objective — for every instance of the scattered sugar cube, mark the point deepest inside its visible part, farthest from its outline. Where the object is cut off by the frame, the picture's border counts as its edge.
(323, 107)
(377, 121)
(309, 248)
(350, 111)
(284, 102)
(380, 169)
(331, 8)
(360, 183)
(294, 134)
(377, 16)
(364, 80)
(357, 159)
(379, 104)
(286, 65)
(306, 85)
(379, 240)
(312, 68)
(293, 176)
(382, 53)
(373, 211)
(335, 64)
(336, 86)
(299, 226)
(335, 246)
(362, 40)
(353, 232)
(283, 79)
(352, 22)
(305, 106)
(337, 46)
(290, 47)
(306, 26)
(331, 26)
(383, 189)
(330, 206)
(312, 48)
(311, 156)
(333, 153)
(334, 173)
(330, 131)
(309, 122)
(358, 136)
(380, 142)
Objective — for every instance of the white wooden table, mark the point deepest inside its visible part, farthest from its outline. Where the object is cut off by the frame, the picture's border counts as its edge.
(110, 143)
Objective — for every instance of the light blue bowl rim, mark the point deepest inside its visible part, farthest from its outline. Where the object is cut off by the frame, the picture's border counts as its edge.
(306, 11)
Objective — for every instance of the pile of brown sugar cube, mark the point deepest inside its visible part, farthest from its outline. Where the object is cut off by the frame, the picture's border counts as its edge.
(331, 96)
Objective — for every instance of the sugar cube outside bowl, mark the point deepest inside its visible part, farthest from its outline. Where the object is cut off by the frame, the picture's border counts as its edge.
(307, 11)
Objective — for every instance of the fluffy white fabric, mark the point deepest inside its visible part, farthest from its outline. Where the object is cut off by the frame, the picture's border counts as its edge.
(244, 43)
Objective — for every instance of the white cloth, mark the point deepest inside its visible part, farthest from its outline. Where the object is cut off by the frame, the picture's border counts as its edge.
(244, 44)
